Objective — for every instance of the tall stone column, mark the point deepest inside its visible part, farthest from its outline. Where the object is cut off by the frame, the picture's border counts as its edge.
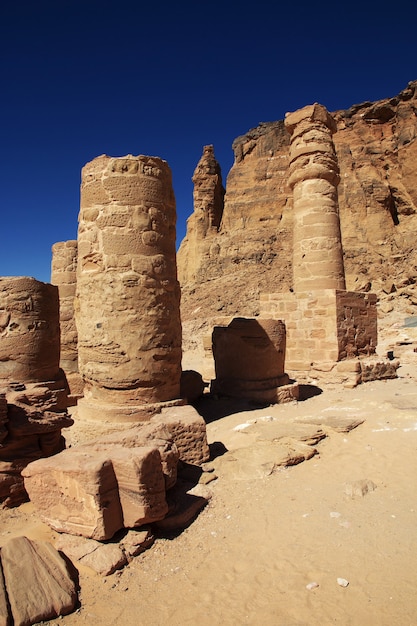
(128, 296)
(314, 176)
(64, 276)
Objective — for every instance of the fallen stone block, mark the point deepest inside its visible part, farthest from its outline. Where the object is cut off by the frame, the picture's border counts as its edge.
(141, 484)
(153, 435)
(76, 492)
(188, 431)
(38, 583)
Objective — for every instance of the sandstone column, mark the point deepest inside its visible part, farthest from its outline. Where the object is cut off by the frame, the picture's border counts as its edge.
(64, 276)
(127, 303)
(314, 176)
(33, 389)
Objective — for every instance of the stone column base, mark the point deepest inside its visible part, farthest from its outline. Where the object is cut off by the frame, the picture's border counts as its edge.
(107, 413)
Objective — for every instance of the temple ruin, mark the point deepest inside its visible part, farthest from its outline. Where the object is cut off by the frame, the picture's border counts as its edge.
(330, 330)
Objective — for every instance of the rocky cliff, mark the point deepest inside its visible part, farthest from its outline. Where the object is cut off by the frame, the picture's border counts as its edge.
(223, 269)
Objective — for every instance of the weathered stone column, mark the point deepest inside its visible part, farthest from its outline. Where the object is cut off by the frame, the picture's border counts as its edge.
(64, 276)
(33, 394)
(127, 303)
(29, 327)
(314, 176)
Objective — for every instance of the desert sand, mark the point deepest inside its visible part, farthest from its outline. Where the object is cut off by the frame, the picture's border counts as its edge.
(273, 541)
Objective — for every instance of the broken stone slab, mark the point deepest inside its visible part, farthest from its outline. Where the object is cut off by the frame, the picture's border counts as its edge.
(37, 580)
(338, 423)
(105, 559)
(76, 492)
(275, 430)
(263, 458)
(184, 506)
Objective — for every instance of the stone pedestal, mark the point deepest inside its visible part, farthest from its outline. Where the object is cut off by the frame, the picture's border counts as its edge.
(33, 398)
(127, 303)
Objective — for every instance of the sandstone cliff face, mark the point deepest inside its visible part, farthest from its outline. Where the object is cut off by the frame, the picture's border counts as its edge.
(251, 252)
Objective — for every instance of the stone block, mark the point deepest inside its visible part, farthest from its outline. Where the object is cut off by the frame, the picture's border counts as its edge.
(76, 492)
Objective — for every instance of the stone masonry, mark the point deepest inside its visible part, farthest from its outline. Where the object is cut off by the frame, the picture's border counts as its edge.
(33, 389)
(127, 302)
(328, 327)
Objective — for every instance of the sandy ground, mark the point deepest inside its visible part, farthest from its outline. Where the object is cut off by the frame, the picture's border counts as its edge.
(268, 532)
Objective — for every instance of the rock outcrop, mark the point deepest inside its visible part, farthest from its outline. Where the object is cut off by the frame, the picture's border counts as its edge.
(376, 148)
(205, 221)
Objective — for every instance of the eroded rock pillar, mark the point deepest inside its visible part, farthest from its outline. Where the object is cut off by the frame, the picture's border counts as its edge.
(127, 303)
(314, 176)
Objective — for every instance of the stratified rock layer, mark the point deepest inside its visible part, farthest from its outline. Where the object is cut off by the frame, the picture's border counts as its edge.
(127, 304)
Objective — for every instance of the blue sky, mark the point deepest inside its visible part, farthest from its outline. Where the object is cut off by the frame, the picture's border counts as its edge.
(80, 78)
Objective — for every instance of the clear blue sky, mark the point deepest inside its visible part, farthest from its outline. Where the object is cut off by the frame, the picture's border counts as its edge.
(80, 78)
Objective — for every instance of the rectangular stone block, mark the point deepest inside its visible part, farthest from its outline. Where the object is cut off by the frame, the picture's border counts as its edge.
(76, 492)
